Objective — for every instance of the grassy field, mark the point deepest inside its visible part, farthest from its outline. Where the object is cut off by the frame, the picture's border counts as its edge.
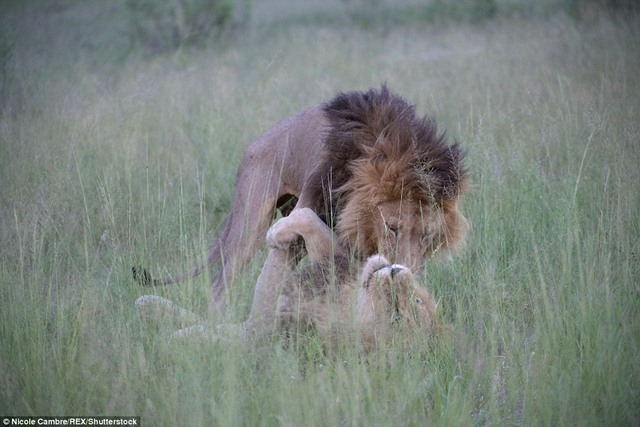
(111, 158)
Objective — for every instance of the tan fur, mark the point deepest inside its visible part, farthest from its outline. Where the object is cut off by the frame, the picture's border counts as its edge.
(337, 302)
(368, 308)
(366, 164)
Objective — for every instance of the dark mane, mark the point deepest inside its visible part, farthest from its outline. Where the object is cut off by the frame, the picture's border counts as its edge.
(381, 127)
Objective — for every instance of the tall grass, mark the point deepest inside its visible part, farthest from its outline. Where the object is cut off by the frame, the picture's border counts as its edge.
(109, 160)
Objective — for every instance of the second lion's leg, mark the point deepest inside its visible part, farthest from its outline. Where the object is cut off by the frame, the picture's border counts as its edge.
(262, 319)
(276, 271)
(163, 311)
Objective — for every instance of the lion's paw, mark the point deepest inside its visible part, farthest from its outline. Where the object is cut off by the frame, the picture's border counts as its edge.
(289, 230)
(281, 235)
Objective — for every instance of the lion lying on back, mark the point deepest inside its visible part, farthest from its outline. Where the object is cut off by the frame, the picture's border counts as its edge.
(325, 295)
(373, 170)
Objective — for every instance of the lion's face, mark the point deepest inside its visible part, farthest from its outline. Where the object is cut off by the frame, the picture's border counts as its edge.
(406, 231)
(389, 297)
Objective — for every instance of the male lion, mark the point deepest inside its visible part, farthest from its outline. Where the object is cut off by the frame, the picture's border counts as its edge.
(325, 295)
(382, 177)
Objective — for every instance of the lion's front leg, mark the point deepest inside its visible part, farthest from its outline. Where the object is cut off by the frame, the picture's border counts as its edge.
(304, 223)
(275, 273)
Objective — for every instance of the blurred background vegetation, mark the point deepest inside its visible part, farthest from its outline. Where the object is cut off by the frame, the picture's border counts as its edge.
(164, 26)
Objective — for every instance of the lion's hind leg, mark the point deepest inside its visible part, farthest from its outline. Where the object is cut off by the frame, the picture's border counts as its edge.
(274, 277)
(205, 332)
(162, 311)
(183, 324)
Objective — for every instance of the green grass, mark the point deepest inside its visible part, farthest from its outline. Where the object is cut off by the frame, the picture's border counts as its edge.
(110, 158)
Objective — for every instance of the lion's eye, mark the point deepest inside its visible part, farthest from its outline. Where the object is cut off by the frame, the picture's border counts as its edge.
(419, 301)
(393, 229)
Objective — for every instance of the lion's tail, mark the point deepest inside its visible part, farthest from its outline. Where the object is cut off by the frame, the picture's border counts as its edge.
(144, 278)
